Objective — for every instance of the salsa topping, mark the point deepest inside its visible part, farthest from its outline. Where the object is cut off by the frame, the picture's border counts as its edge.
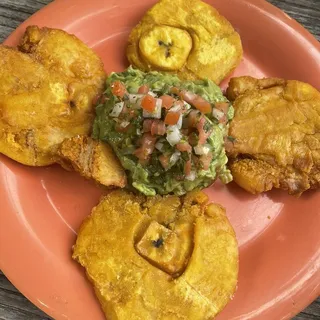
(167, 135)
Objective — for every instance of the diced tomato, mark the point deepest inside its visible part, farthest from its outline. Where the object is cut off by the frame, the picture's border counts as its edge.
(187, 167)
(205, 161)
(118, 89)
(223, 120)
(179, 177)
(203, 135)
(143, 89)
(143, 157)
(158, 128)
(147, 146)
(147, 125)
(228, 144)
(193, 118)
(175, 90)
(188, 96)
(148, 142)
(148, 103)
(202, 105)
(172, 118)
(164, 160)
(184, 146)
(167, 101)
(222, 106)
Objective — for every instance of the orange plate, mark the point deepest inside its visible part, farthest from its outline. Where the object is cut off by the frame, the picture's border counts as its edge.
(41, 208)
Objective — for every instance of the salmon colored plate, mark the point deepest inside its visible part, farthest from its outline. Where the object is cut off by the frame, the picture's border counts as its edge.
(42, 208)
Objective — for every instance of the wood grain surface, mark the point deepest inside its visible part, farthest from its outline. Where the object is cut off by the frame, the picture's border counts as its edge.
(13, 305)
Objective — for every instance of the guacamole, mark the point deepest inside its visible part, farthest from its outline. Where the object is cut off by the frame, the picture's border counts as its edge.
(168, 134)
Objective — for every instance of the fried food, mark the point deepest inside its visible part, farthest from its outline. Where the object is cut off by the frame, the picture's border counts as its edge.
(46, 94)
(187, 37)
(275, 135)
(93, 159)
(159, 257)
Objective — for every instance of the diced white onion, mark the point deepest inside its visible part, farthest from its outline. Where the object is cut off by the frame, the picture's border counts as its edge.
(173, 135)
(156, 114)
(159, 146)
(191, 176)
(117, 109)
(134, 98)
(187, 105)
(175, 108)
(201, 149)
(152, 94)
(179, 123)
(218, 114)
(124, 124)
(174, 158)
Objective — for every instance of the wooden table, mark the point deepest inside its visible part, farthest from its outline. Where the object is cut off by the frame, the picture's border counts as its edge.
(13, 305)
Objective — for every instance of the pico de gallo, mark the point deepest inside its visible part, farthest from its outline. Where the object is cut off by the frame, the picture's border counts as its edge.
(168, 134)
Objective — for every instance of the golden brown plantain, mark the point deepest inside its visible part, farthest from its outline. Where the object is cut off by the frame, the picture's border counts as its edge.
(276, 128)
(187, 37)
(92, 159)
(46, 94)
(159, 257)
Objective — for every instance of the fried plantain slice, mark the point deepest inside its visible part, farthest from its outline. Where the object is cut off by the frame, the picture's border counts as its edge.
(93, 159)
(46, 94)
(276, 135)
(187, 37)
(159, 257)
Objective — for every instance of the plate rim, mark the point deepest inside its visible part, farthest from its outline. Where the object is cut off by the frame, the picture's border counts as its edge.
(263, 6)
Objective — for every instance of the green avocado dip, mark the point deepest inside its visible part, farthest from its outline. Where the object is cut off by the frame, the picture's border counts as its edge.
(168, 134)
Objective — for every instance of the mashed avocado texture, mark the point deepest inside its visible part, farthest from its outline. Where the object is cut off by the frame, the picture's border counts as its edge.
(168, 134)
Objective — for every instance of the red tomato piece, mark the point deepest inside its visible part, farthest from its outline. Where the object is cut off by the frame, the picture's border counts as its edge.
(205, 160)
(203, 135)
(167, 101)
(142, 155)
(202, 105)
(188, 96)
(184, 146)
(193, 118)
(223, 120)
(187, 168)
(143, 89)
(228, 144)
(158, 128)
(222, 106)
(172, 118)
(147, 125)
(147, 146)
(165, 161)
(148, 103)
(175, 90)
(118, 89)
